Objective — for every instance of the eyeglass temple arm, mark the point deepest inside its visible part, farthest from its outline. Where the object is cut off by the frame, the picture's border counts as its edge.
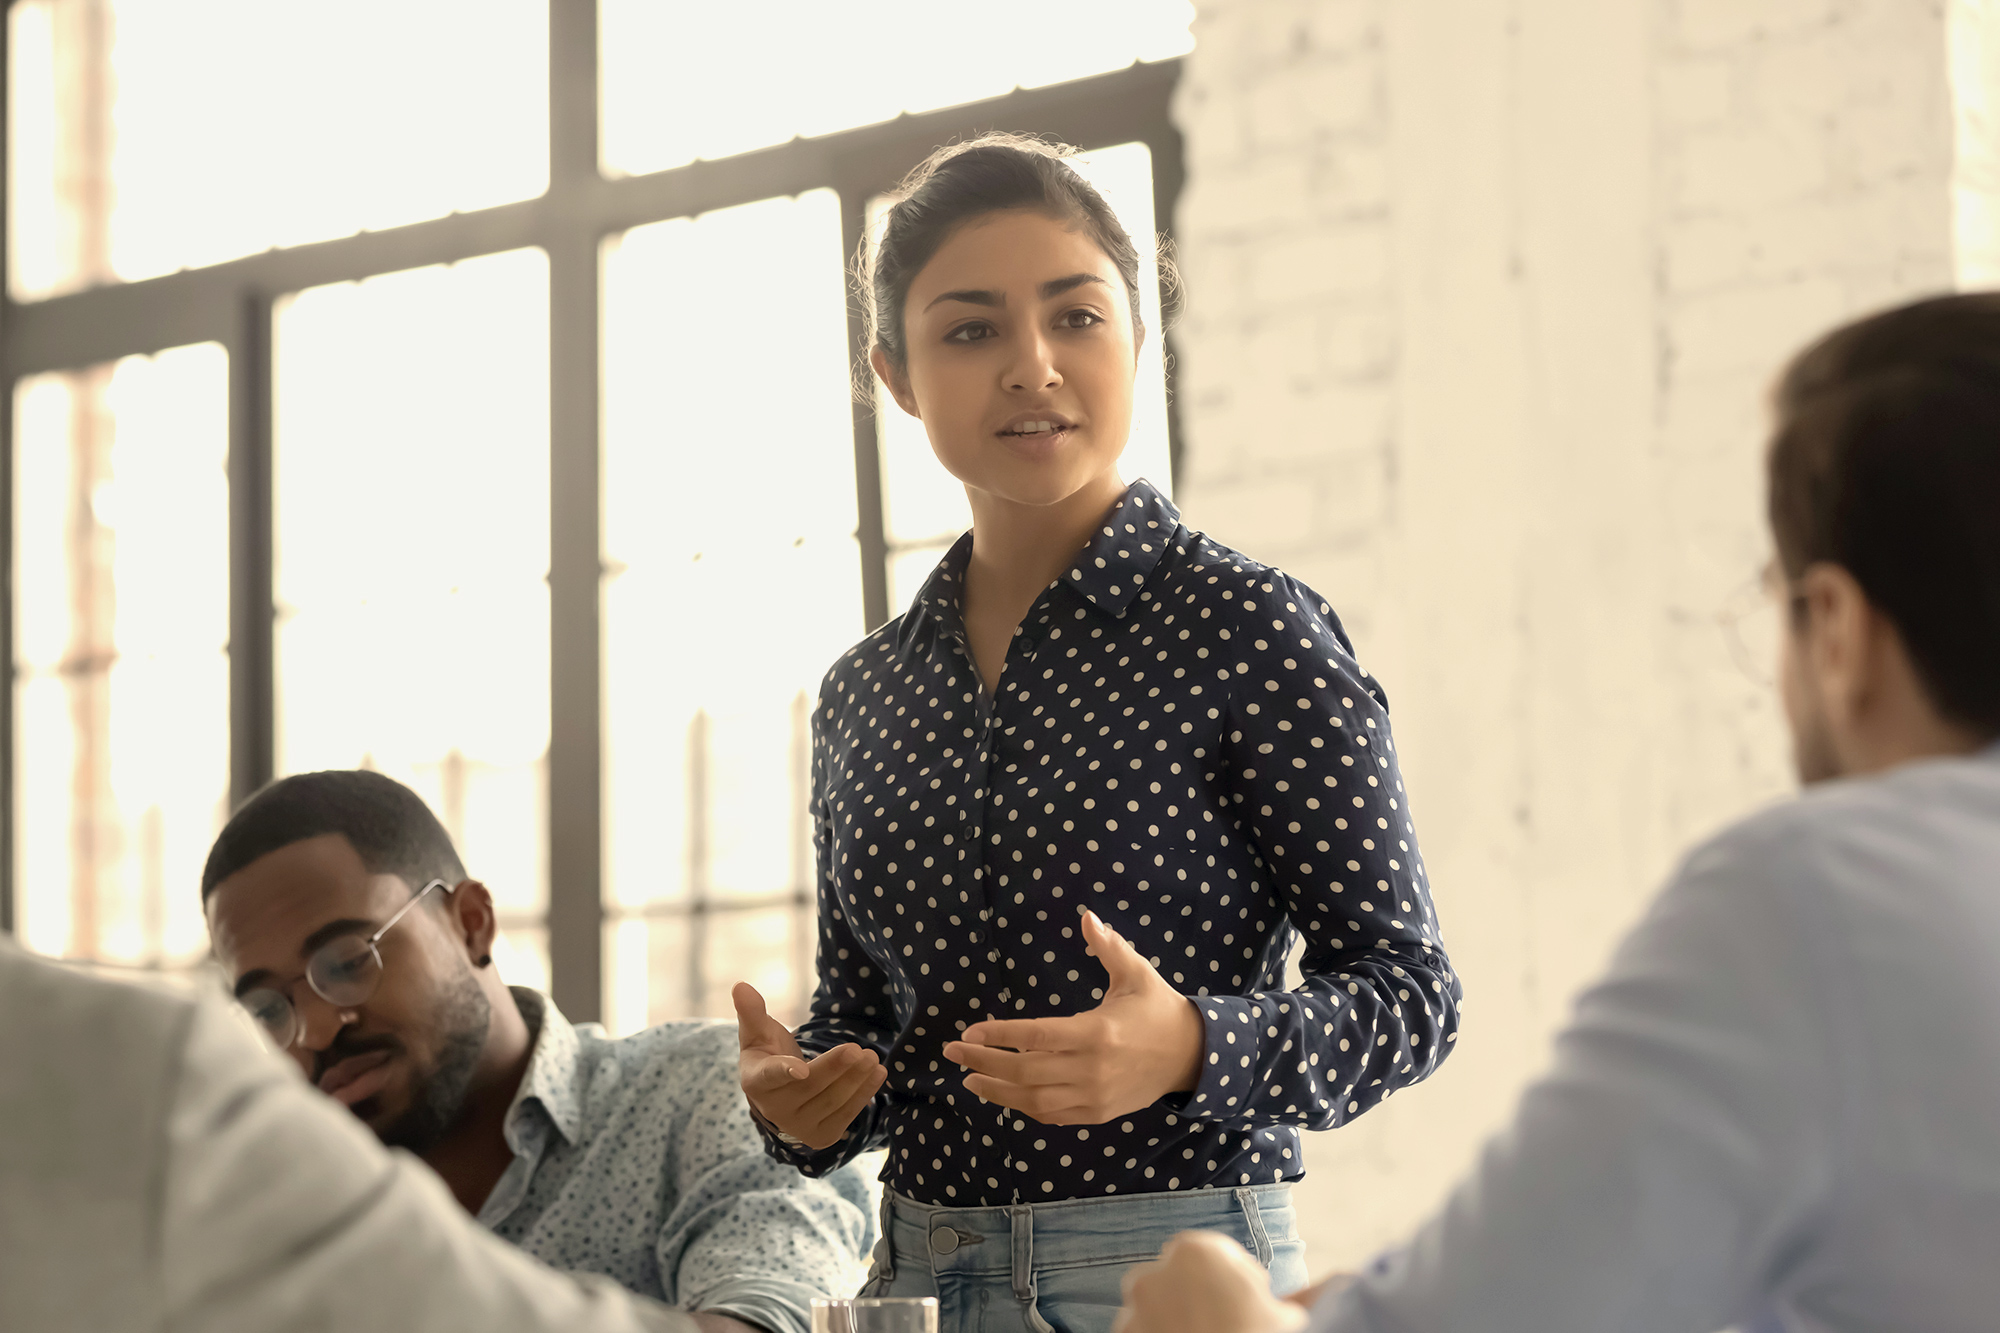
(404, 910)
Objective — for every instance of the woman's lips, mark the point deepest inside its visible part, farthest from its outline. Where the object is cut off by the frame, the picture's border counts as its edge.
(1037, 444)
(356, 1078)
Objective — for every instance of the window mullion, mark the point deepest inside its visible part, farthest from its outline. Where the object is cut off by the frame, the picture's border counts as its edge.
(252, 554)
(871, 530)
(575, 767)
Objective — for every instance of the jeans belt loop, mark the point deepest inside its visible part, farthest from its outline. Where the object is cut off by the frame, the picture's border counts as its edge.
(1024, 1252)
(885, 1248)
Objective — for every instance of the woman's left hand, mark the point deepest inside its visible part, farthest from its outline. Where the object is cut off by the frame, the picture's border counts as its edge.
(1144, 1040)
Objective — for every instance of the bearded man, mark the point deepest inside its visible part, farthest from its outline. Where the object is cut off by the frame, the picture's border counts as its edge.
(352, 934)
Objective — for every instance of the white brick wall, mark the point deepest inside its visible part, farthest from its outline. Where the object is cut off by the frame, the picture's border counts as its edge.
(1482, 298)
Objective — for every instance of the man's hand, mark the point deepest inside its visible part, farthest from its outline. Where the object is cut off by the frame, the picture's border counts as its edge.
(814, 1100)
(1307, 1297)
(1204, 1282)
(1142, 1042)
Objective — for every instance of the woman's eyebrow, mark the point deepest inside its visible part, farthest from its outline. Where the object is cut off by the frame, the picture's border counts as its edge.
(1057, 286)
(972, 297)
(982, 296)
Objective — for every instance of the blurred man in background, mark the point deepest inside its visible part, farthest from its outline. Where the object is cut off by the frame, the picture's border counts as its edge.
(348, 928)
(1781, 1109)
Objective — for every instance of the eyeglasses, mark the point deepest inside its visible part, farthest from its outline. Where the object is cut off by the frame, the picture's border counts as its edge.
(343, 972)
(1752, 622)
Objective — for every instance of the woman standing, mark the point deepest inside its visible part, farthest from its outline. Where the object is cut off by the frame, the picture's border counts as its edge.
(1070, 809)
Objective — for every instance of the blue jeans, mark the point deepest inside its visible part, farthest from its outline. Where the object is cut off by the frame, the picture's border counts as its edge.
(1056, 1267)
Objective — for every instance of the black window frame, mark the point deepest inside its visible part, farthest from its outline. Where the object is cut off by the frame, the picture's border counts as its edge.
(232, 304)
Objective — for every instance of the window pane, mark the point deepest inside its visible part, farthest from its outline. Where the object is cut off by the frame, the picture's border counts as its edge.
(733, 579)
(121, 685)
(412, 471)
(925, 507)
(685, 81)
(689, 963)
(149, 137)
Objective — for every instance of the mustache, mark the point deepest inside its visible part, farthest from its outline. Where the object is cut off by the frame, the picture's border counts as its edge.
(346, 1047)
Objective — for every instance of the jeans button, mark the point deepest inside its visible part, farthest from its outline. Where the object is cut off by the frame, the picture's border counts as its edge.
(944, 1240)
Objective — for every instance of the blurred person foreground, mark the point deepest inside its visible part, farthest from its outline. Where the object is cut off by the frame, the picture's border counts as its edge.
(161, 1171)
(1776, 1111)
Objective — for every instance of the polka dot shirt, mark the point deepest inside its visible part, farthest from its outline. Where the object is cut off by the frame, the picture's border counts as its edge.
(1182, 741)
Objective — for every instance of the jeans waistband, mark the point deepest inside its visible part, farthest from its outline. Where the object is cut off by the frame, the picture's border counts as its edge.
(1116, 1229)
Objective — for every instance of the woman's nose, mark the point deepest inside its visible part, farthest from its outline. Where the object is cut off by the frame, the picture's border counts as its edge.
(1034, 366)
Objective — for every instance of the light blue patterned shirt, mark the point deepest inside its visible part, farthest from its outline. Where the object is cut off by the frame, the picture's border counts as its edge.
(636, 1158)
(1780, 1110)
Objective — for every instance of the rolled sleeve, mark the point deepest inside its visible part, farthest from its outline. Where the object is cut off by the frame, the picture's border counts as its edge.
(752, 1237)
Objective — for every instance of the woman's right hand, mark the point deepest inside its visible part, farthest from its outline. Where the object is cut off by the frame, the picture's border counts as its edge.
(813, 1101)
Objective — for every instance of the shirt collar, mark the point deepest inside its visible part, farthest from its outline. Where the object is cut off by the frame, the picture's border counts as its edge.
(1129, 545)
(552, 1076)
(1109, 573)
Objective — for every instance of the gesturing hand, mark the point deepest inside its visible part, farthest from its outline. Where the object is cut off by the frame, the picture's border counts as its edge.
(814, 1100)
(1142, 1042)
(1203, 1283)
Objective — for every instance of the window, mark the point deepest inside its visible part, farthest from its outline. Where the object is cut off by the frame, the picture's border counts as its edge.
(729, 517)
(807, 67)
(148, 138)
(411, 450)
(121, 622)
(431, 431)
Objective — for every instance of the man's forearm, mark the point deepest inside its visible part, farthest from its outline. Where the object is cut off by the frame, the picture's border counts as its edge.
(710, 1322)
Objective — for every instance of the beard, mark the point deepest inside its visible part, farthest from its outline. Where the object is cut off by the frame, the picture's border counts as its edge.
(437, 1096)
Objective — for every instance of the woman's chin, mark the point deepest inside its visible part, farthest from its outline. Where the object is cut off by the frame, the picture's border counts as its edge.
(1040, 484)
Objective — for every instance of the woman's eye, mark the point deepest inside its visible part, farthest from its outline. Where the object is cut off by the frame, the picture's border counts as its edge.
(1081, 319)
(969, 333)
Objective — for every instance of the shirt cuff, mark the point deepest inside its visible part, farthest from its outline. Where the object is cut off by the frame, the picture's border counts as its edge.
(775, 1307)
(814, 1162)
(1229, 1059)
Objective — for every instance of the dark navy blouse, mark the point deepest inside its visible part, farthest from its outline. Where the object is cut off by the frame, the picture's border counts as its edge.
(1183, 742)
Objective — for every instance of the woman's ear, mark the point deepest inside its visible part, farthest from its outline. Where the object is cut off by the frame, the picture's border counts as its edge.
(895, 381)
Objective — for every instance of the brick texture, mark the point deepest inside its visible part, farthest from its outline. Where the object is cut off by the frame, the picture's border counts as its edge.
(1482, 299)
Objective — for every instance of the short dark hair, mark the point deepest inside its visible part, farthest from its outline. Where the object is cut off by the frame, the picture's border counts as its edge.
(386, 823)
(993, 173)
(1885, 460)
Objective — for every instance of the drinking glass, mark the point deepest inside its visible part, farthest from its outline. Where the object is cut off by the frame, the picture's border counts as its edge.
(876, 1314)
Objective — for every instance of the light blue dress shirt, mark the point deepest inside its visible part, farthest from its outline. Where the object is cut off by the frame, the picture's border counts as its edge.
(636, 1158)
(1780, 1110)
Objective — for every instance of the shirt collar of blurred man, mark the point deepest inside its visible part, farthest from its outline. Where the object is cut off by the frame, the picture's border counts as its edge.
(1883, 469)
(349, 930)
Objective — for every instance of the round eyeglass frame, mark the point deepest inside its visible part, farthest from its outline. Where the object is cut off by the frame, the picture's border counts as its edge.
(344, 971)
